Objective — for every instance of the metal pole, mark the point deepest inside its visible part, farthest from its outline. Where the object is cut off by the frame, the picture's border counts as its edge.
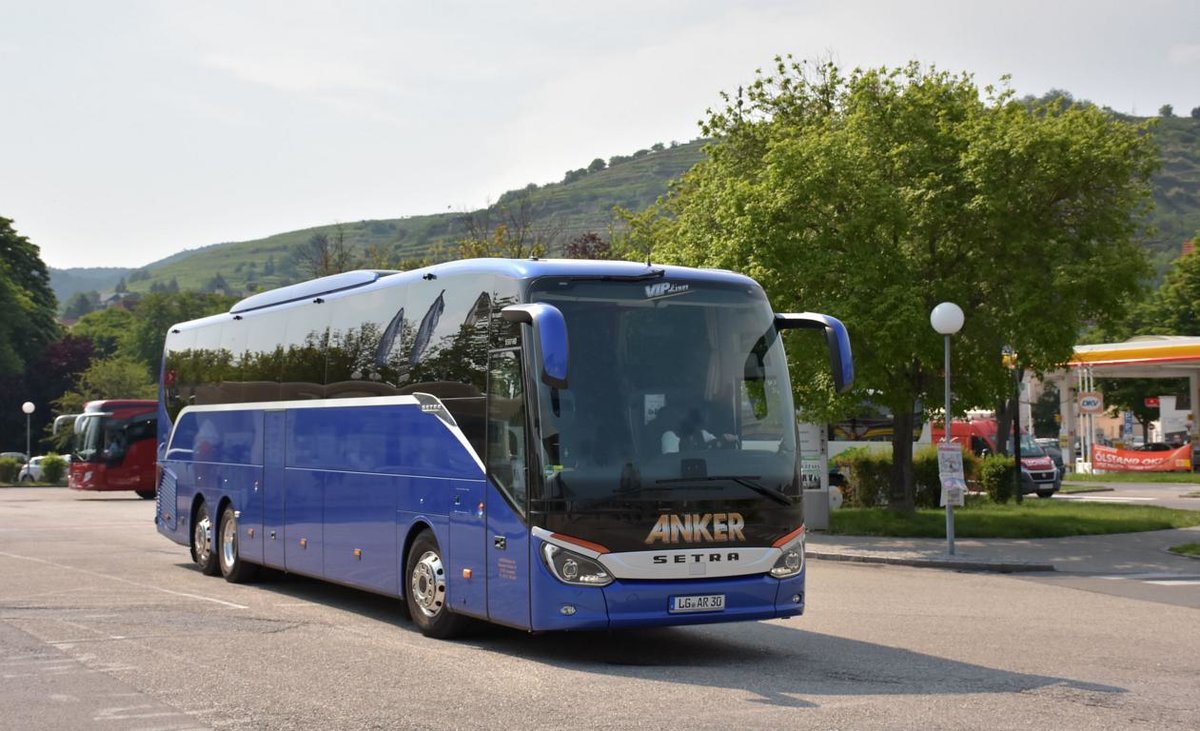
(27, 443)
(946, 437)
(1017, 426)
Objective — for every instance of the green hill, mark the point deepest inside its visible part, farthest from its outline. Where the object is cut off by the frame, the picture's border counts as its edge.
(1176, 215)
(561, 211)
(583, 202)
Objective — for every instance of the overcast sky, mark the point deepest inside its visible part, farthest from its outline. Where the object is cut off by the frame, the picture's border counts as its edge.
(132, 130)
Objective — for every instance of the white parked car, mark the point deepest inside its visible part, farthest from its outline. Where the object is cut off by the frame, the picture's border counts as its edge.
(31, 471)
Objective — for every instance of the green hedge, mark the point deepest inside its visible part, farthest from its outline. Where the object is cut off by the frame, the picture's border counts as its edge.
(869, 476)
(54, 468)
(9, 469)
(996, 477)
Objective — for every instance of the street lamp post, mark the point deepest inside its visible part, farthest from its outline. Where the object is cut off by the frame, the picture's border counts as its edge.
(947, 319)
(28, 408)
(1010, 360)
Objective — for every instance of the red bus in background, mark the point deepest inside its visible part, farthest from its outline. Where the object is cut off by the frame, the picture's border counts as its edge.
(114, 447)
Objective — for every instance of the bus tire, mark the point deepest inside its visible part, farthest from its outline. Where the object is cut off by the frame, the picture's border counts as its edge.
(203, 554)
(147, 494)
(233, 568)
(425, 590)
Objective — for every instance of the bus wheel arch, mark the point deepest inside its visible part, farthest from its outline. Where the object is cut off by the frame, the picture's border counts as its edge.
(424, 586)
(203, 534)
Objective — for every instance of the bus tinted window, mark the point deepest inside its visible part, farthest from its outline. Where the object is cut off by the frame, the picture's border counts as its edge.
(354, 366)
(450, 344)
(178, 379)
(304, 339)
(262, 360)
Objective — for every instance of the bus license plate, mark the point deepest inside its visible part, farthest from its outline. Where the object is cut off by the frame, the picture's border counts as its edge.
(703, 603)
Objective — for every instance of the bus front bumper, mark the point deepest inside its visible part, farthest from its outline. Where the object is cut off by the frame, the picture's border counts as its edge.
(628, 604)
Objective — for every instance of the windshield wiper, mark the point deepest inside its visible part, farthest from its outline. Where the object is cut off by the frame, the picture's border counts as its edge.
(747, 481)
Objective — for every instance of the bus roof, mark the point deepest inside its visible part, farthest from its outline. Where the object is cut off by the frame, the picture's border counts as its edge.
(520, 269)
(110, 404)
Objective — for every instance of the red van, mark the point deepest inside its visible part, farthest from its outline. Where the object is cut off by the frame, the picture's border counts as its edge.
(1039, 475)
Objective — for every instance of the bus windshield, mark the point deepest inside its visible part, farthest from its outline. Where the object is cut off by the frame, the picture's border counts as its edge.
(103, 437)
(677, 391)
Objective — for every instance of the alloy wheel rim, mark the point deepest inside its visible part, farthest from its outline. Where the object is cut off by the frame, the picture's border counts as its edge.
(428, 585)
(202, 539)
(229, 542)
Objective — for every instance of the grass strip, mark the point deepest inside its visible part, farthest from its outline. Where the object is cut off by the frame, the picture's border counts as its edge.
(1187, 478)
(1034, 518)
(1186, 549)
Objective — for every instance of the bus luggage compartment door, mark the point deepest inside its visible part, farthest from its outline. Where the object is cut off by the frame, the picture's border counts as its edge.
(272, 489)
(467, 584)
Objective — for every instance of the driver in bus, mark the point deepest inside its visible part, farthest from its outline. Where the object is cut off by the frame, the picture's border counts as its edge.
(689, 434)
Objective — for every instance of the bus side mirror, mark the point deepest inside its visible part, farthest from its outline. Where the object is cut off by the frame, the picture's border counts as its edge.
(841, 360)
(550, 329)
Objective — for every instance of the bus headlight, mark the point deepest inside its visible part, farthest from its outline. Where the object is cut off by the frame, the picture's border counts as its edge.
(791, 561)
(571, 568)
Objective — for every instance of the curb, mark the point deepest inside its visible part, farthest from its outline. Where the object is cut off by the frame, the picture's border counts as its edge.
(958, 563)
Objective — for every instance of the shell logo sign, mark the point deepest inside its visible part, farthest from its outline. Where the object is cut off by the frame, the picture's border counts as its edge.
(1091, 402)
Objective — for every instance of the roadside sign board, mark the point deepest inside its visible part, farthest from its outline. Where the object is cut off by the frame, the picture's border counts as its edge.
(1091, 402)
(950, 470)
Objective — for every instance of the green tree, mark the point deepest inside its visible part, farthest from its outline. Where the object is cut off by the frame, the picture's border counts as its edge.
(1166, 111)
(156, 313)
(1045, 413)
(26, 300)
(325, 254)
(108, 378)
(876, 195)
(1174, 308)
(80, 304)
(513, 229)
(1129, 394)
(107, 329)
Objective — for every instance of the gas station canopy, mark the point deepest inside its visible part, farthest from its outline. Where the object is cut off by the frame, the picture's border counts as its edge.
(1146, 356)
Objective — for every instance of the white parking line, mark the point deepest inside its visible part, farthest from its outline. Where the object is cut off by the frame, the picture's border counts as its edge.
(1158, 579)
(124, 581)
(1104, 498)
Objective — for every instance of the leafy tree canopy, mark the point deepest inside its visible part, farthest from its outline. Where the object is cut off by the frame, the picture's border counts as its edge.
(106, 328)
(26, 299)
(876, 195)
(156, 313)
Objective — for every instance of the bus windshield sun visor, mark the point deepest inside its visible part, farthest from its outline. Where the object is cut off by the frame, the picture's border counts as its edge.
(836, 338)
(550, 329)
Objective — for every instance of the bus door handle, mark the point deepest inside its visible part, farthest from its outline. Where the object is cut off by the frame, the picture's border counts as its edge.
(500, 543)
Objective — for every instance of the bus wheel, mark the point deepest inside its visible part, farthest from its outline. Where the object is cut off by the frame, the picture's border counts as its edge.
(426, 590)
(146, 494)
(233, 568)
(202, 545)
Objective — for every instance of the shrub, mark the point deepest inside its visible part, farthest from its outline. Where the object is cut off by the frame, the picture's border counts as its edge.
(868, 478)
(927, 482)
(996, 474)
(9, 469)
(53, 468)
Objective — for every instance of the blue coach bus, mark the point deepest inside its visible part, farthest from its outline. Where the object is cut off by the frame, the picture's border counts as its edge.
(549, 445)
